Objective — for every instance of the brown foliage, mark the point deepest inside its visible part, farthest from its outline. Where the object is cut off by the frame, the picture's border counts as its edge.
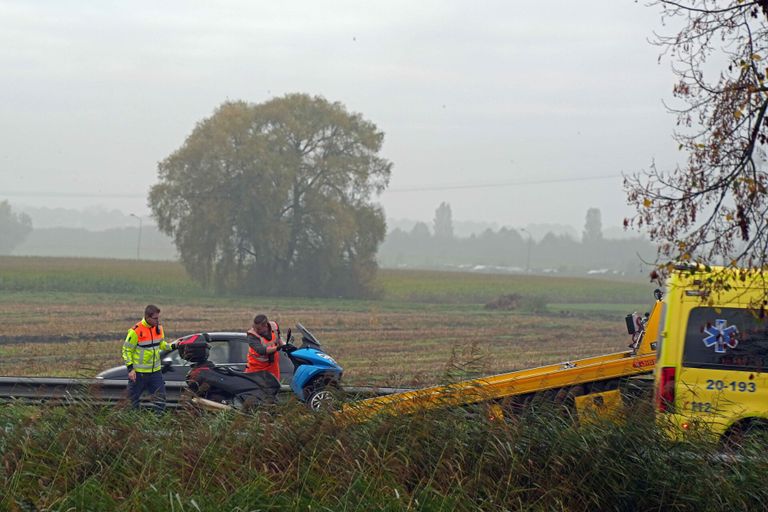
(714, 208)
(506, 302)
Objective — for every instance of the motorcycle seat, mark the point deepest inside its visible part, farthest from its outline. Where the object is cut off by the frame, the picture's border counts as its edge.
(262, 378)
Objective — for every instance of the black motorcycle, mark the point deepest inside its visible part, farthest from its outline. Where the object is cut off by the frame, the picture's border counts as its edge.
(221, 385)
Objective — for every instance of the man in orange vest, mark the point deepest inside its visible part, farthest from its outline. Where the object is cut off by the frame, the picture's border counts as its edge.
(141, 355)
(264, 341)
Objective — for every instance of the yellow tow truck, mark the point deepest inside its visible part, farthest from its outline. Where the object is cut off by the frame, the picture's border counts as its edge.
(589, 383)
(712, 375)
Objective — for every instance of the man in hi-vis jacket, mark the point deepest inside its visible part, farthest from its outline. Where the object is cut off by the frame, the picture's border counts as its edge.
(264, 341)
(141, 354)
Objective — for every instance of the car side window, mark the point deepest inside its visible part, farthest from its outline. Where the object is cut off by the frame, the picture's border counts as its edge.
(239, 350)
(219, 354)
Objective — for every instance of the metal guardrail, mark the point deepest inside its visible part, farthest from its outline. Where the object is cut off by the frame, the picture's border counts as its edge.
(103, 391)
(52, 389)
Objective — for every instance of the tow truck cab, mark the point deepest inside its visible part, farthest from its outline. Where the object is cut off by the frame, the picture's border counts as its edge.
(713, 353)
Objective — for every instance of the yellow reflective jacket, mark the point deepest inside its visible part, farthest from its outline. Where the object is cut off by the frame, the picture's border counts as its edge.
(142, 346)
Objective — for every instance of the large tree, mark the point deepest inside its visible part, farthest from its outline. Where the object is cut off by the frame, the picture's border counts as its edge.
(275, 198)
(14, 228)
(714, 208)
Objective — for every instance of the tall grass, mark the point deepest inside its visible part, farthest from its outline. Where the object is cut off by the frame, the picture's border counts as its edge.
(87, 458)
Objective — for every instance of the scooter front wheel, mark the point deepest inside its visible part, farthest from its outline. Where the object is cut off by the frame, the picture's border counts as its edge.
(324, 398)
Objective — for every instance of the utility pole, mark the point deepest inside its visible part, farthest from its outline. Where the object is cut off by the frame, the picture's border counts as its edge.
(138, 243)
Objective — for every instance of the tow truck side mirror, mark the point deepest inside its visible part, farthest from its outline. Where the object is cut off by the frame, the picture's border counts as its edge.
(630, 319)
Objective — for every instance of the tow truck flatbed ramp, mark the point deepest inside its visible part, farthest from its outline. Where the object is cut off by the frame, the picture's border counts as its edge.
(576, 378)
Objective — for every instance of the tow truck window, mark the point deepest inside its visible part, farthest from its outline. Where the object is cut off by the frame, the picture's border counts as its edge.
(726, 339)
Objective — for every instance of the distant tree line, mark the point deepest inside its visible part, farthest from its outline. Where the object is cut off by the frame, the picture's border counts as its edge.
(513, 249)
(422, 246)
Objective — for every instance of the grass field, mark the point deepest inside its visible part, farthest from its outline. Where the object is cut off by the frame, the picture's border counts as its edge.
(37, 274)
(67, 317)
(93, 275)
(473, 288)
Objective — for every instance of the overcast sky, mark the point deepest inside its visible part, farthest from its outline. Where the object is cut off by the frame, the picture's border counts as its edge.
(513, 112)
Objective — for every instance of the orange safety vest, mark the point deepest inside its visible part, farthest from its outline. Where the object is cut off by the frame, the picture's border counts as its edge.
(269, 363)
(143, 351)
(148, 337)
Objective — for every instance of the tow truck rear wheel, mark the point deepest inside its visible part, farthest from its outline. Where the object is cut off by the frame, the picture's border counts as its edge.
(573, 392)
(566, 398)
(746, 436)
(541, 399)
(566, 395)
(604, 385)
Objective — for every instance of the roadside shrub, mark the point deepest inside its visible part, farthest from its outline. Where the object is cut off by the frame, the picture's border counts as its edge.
(514, 301)
(507, 302)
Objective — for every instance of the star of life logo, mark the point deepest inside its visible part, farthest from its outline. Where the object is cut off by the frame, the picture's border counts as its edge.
(720, 336)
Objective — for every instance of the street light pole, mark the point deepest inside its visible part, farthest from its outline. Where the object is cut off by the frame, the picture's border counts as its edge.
(138, 243)
(528, 254)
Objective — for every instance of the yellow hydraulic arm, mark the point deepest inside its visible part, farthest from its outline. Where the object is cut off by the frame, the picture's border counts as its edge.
(641, 359)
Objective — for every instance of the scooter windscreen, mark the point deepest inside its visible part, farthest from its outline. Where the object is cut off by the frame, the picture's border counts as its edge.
(307, 337)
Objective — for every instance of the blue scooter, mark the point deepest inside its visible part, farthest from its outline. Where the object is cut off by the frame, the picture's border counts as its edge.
(317, 376)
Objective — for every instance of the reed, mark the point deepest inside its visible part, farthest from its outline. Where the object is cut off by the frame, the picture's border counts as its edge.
(89, 458)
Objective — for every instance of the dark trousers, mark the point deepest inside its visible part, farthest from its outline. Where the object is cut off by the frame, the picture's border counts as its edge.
(153, 384)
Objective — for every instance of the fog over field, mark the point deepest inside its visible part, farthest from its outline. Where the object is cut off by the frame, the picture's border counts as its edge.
(515, 115)
(473, 246)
